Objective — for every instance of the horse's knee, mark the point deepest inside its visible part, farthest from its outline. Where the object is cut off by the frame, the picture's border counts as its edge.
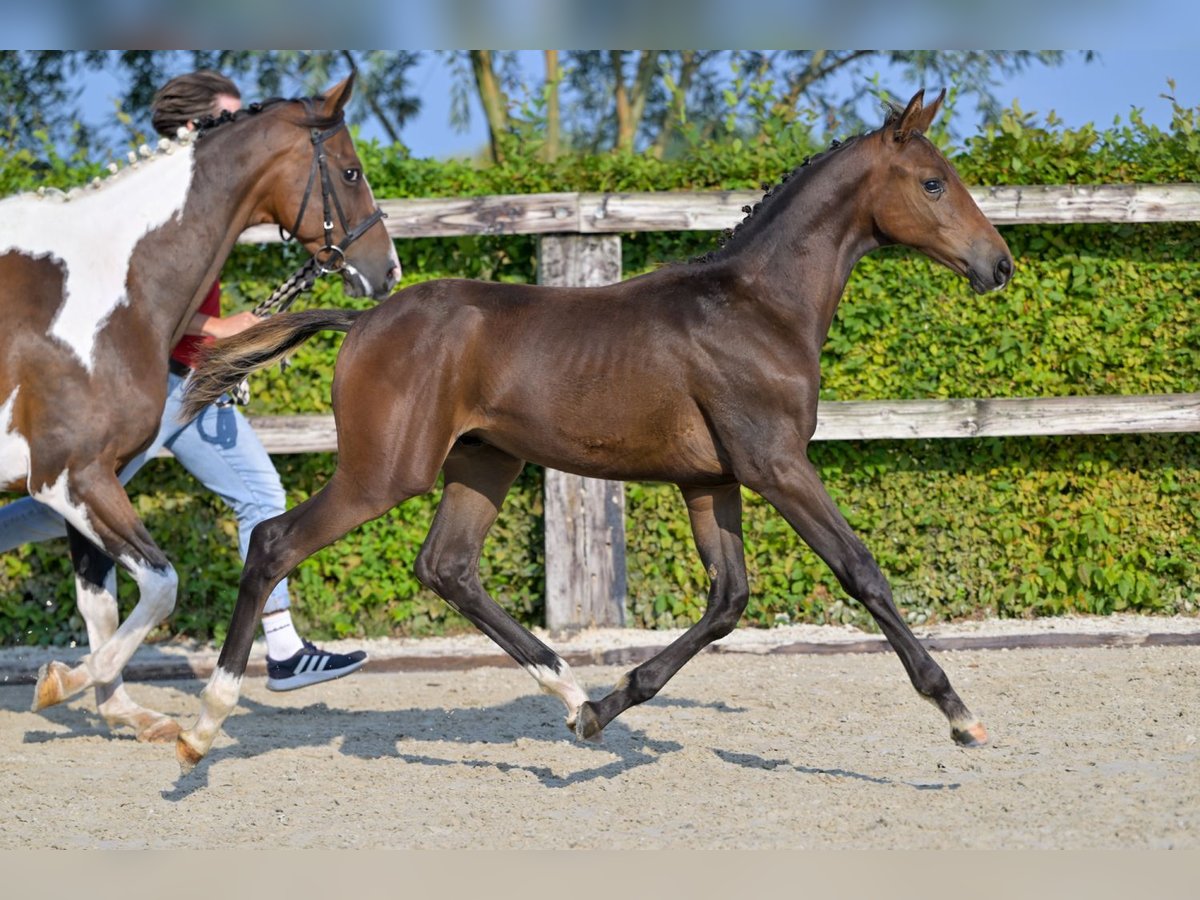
(863, 580)
(158, 589)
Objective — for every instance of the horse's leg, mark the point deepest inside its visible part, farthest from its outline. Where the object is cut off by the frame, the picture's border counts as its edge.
(95, 504)
(716, 517)
(477, 478)
(801, 498)
(277, 546)
(96, 598)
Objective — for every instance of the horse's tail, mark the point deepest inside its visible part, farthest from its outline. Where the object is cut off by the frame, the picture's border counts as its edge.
(226, 363)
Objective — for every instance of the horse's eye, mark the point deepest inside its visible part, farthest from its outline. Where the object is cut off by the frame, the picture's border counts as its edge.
(934, 186)
(351, 176)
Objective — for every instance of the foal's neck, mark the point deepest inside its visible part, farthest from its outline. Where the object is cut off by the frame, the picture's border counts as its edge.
(800, 252)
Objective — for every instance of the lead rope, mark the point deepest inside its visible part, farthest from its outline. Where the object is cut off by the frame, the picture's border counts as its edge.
(300, 281)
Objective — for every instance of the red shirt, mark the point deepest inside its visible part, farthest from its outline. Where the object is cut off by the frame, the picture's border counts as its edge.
(187, 351)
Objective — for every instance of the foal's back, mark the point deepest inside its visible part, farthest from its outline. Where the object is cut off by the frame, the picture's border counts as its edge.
(604, 381)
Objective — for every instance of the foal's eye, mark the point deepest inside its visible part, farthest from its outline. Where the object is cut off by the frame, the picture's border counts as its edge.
(934, 186)
(351, 176)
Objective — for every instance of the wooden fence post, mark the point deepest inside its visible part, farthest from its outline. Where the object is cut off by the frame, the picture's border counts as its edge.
(585, 517)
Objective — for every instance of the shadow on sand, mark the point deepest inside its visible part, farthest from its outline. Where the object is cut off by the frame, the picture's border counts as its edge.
(382, 734)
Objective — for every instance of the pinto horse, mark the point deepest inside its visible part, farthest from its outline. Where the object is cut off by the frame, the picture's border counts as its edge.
(96, 287)
(703, 374)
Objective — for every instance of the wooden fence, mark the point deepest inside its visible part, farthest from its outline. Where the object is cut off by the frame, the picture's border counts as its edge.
(580, 245)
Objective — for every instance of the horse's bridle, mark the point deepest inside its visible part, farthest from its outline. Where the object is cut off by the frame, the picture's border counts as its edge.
(328, 259)
(331, 257)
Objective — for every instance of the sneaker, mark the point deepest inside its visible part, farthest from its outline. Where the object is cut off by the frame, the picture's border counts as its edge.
(311, 665)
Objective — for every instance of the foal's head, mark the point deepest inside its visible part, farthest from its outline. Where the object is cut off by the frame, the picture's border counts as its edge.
(920, 201)
(336, 217)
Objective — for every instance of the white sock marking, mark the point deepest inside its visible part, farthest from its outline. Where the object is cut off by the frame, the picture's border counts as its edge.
(560, 684)
(216, 703)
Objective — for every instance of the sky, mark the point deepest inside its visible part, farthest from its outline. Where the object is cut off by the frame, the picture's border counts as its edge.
(1078, 92)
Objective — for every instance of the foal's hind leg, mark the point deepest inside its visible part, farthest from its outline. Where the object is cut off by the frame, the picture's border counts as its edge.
(803, 501)
(716, 517)
(477, 478)
(96, 599)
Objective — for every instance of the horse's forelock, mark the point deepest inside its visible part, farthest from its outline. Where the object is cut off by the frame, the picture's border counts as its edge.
(892, 112)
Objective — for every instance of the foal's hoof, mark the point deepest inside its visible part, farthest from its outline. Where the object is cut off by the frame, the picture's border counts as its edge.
(187, 755)
(973, 735)
(587, 725)
(49, 689)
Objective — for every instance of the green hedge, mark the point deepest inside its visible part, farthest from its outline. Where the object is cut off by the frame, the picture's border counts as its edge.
(1009, 527)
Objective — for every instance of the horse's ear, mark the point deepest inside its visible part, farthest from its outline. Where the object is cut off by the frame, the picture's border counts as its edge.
(336, 97)
(928, 114)
(906, 124)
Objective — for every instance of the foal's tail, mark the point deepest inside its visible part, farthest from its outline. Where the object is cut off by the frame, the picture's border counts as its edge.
(227, 362)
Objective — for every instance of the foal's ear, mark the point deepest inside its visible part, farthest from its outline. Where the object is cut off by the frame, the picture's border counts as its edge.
(336, 97)
(916, 117)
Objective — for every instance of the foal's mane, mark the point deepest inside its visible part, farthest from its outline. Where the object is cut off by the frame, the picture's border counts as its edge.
(788, 183)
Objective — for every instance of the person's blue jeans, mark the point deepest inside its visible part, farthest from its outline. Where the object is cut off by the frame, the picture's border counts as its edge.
(218, 447)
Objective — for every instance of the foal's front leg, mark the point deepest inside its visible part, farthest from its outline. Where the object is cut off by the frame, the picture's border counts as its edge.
(801, 498)
(277, 546)
(716, 518)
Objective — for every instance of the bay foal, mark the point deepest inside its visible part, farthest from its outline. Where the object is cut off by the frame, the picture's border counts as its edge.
(704, 374)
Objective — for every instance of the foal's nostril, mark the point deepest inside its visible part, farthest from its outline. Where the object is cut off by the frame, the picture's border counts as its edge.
(1004, 270)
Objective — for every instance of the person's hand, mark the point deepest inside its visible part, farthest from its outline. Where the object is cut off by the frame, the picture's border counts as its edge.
(231, 325)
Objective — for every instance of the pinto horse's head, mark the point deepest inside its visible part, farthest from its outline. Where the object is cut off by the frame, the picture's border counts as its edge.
(318, 190)
(921, 202)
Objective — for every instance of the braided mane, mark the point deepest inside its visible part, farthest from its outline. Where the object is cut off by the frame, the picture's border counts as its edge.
(310, 119)
(771, 191)
(147, 153)
(166, 146)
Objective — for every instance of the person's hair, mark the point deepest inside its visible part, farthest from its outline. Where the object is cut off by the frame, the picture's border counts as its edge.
(186, 98)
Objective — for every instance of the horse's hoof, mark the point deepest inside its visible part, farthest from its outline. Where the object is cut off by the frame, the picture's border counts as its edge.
(587, 723)
(187, 755)
(160, 731)
(973, 735)
(49, 689)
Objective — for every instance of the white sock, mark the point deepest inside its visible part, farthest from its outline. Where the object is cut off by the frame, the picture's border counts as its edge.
(282, 639)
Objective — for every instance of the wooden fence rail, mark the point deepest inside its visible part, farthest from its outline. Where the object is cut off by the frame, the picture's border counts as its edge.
(580, 245)
(847, 420)
(585, 213)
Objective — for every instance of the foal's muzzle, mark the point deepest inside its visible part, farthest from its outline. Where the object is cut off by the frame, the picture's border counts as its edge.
(993, 279)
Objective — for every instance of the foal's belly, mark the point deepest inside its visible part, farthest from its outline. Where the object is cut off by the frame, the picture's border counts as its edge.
(675, 449)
